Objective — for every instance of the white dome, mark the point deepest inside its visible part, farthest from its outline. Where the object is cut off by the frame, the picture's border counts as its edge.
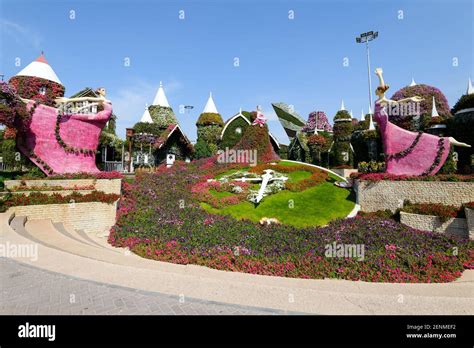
(40, 68)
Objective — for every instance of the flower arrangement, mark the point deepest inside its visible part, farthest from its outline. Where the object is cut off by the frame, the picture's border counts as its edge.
(371, 167)
(319, 119)
(151, 223)
(444, 212)
(39, 198)
(28, 87)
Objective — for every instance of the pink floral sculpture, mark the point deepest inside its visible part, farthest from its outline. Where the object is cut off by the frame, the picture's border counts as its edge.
(67, 146)
(406, 152)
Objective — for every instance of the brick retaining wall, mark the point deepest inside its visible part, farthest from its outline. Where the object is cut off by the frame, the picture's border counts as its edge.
(104, 185)
(92, 217)
(454, 226)
(385, 194)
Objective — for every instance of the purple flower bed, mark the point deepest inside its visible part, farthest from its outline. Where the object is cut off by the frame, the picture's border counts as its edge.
(158, 218)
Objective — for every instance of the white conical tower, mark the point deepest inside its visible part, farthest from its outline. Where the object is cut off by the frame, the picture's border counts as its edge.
(146, 118)
(413, 83)
(362, 115)
(470, 89)
(210, 106)
(370, 110)
(40, 68)
(160, 98)
(342, 106)
(434, 111)
(371, 123)
(350, 113)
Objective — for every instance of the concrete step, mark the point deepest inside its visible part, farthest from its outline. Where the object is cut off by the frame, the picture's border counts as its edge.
(322, 296)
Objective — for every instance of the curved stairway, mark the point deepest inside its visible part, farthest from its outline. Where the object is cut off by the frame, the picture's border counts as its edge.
(64, 250)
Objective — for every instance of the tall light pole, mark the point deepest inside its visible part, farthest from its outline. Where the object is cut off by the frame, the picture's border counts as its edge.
(365, 38)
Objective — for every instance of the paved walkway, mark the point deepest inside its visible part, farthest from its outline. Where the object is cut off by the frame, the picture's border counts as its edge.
(28, 290)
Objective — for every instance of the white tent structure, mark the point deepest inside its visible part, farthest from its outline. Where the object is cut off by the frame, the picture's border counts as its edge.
(210, 106)
(146, 117)
(160, 97)
(470, 89)
(342, 106)
(40, 68)
(434, 111)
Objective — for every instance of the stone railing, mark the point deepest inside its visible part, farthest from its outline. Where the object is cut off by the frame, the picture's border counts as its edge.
(387, 194)
(104, 185)
(453, 227)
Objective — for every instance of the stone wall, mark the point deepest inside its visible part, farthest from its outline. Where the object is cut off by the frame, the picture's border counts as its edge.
(385, 194)
(454, 227)
(470, 221)
(104, 185)
(92, 217)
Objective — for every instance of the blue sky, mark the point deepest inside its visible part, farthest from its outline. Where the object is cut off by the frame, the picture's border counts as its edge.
(297, 61)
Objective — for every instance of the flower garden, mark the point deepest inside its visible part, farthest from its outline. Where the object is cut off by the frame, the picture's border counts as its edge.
(169, 216)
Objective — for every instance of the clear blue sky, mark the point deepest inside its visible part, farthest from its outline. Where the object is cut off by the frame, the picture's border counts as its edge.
(299, 61)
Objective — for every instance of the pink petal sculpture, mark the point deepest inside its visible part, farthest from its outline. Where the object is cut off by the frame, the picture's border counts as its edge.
(426, 157)
(79, 131)
(409, 153)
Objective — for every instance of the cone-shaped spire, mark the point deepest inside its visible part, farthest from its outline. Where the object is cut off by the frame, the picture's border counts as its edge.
(342, 106)
(362, 115)
(370, 110)
(40, 68)
(470, 89)
(413, 83)
(146, 118)
(434, 112)
(371, 123)
(350, 113)
(160, 98)
(210, 106)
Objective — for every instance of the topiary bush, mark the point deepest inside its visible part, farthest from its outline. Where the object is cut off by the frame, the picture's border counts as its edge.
(209, 118)
(427, 93)
(162, 116)
(28, 87)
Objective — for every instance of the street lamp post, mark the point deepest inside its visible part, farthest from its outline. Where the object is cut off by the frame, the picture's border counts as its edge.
(365, 38)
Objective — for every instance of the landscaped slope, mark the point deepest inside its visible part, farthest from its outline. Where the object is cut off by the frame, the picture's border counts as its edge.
(158, 218)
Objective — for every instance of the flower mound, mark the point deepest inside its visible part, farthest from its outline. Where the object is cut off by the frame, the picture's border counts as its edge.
(158, 218)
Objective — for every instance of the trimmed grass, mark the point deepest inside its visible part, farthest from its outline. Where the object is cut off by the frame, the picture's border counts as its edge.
(316, 206)
(313, 207)
(220, 194)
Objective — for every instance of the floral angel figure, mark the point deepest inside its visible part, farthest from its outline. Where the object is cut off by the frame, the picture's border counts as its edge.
(260, 120)
(406, 152)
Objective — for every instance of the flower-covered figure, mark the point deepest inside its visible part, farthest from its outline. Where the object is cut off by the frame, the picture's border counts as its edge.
(260, 119)
(406, 152)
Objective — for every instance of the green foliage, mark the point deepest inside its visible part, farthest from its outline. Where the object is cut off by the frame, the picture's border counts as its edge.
(209, 118)
(371, 167)
(449, 167)
(342, 115)
(210, 134)
(201, 149)
(461, 128)
(148, 128)
(231, 137)
(465, 102)
(162, 116)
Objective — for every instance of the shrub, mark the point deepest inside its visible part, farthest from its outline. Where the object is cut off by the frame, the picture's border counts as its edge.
(444, 212)
(209, 118)
(371, 167)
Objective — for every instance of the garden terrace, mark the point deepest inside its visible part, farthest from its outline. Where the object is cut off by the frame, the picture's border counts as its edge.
(160, 218)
